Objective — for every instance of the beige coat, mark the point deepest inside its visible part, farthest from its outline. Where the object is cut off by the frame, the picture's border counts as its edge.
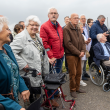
(25, 53)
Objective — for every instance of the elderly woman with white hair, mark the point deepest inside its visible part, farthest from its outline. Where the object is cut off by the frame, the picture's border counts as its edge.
(10, 81)
(29, 52)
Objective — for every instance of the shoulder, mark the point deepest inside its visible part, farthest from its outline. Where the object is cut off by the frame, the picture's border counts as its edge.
(44, 25)
(21, 36)
(97, 45)
(7, 47)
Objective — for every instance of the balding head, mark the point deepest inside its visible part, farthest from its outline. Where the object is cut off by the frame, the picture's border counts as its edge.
(74, 14)
(1, 16)
(74, 19)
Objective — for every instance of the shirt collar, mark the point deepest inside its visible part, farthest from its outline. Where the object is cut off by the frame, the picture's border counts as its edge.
(102, 43)
(54, 24)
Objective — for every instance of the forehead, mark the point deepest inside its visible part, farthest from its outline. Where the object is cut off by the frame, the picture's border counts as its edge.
(53, 10)
(83, 16)
(66, 18)
(103, 19)
(75, 15)
(33, 22)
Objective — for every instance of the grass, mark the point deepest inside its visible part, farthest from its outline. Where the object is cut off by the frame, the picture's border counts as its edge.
(64, 69)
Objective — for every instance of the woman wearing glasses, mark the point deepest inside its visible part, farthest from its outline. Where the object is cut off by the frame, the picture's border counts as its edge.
(29, 52)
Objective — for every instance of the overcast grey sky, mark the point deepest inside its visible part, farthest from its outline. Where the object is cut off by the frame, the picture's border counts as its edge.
(19, 10)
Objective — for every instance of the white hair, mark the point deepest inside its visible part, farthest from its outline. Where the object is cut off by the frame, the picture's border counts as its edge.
(81, 15)
(99, 36)
(2, 21)
(32, 18)
(50, 9)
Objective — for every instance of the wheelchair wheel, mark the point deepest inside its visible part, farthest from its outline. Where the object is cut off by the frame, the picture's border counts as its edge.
(106, 87)
(96, 74)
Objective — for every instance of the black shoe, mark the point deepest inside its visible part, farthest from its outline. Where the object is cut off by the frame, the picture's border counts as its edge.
(84, 78)
(86, 75)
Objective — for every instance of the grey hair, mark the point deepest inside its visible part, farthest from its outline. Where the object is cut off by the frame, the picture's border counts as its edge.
(81, 15)
(101, 16)
(99, 36)
(2, 21)
(32, 18)
(50, 9)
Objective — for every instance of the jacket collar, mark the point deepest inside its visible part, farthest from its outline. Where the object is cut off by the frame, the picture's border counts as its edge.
(97, 21)
(72, 27)
(10, 53)
(52, 24)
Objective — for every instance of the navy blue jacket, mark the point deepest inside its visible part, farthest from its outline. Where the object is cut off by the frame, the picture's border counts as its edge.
(96, 29)
(5, 81)
(99, 53)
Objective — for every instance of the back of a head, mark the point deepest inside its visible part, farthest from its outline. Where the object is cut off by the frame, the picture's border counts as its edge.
(17, 28)
(2, 21)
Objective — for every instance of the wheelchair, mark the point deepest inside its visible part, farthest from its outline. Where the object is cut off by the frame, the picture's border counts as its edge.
(46, 87)
(99, 74)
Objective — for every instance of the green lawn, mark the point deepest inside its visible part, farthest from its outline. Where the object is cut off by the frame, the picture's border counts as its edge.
(64, 69)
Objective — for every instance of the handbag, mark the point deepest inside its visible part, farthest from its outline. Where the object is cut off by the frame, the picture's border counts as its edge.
(54, 78)
(87, 54)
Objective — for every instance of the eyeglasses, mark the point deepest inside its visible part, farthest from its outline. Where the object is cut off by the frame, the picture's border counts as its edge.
(83, 18)
(53, 13)
(76, 18)
(34, 25)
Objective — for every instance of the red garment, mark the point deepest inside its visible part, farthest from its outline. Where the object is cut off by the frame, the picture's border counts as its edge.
(51, 40)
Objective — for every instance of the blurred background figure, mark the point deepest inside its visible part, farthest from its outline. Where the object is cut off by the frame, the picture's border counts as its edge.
(90, 22)
(86, 34)
(22, 23)
(84, 58)
(17, 29)
(66, 20)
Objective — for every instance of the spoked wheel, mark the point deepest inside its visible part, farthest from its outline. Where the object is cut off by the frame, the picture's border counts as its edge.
(96, 74)
(106, 87)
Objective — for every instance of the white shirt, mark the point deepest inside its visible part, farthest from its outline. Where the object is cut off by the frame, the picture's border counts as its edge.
(87, 48)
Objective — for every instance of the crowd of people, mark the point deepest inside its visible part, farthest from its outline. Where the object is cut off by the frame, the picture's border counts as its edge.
(27, 47)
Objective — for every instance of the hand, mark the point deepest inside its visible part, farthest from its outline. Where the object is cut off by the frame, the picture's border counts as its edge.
(82, 54)
(25, 68)
(39, 74)
(52, 60)
(105, 34)
(22, 109)
(25, 95)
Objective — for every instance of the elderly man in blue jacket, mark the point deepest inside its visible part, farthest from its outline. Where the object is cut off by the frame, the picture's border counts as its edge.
(102, 50)
(98, 27)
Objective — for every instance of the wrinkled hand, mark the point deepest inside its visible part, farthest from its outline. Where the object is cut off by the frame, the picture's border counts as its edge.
(105, 34)
(82, 54)
(25, 68)
(25, 95)
(22, 109)
(52, 60)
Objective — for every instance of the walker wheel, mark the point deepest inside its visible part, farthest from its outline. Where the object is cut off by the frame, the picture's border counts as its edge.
(106, 87)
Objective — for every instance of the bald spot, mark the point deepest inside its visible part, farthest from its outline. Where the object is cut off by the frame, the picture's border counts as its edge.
(74, 14)
(1, 16)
